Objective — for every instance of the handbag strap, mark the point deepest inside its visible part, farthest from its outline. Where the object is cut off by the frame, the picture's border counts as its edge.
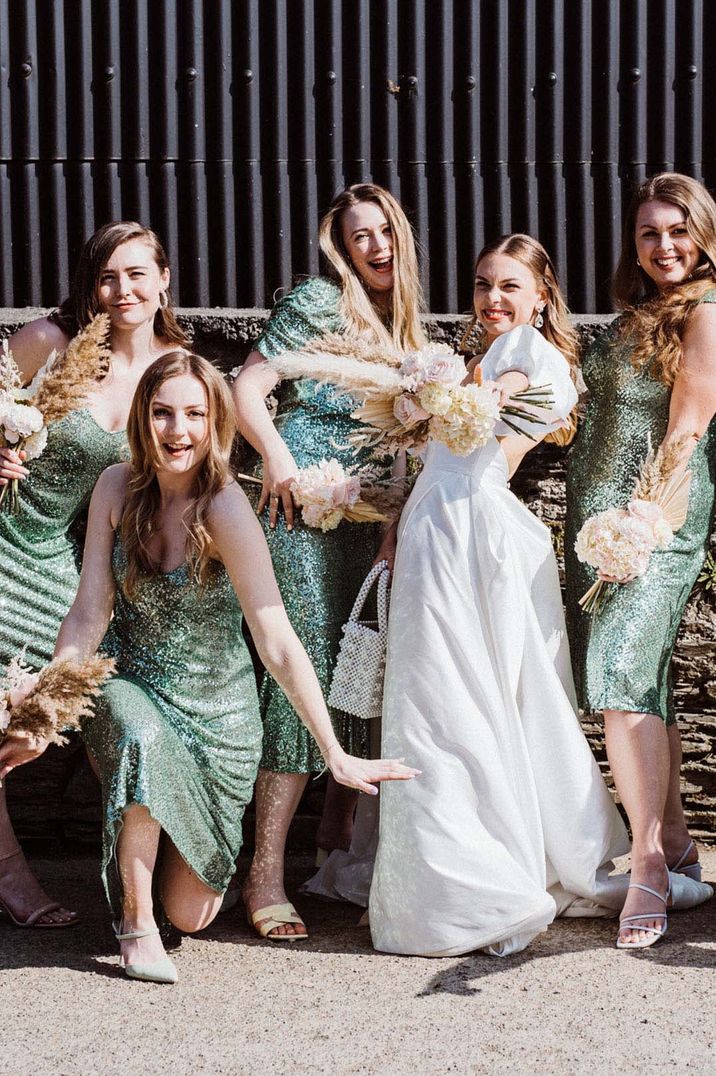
(376, 572)
(383, 581)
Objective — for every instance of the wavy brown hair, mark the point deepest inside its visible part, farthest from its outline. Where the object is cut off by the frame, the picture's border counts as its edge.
(82, 304)
(655, 320)
(405, 331)
(141, 509)
(557, 327)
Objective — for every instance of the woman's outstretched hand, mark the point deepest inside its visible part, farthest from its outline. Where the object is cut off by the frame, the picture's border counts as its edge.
(11, 466)
(364, 773)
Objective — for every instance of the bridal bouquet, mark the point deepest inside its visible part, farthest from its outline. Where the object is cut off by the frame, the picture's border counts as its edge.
(329, 493)
(42, 705)
(56, 389)
(407, 401)
(618, 542)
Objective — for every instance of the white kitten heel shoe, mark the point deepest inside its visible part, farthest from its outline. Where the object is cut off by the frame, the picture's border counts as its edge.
(157, 971)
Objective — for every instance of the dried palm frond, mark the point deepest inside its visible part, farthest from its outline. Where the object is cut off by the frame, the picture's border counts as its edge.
(345, 371)
(61, 698)
(664, 478)
(76, 372)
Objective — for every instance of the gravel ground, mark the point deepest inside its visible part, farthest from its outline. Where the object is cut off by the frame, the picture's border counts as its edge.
(570, 1004)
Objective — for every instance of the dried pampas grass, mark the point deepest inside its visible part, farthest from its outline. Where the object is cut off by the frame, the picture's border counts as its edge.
(665, 479)
(62, 696)
(67, 379)
(344, 371)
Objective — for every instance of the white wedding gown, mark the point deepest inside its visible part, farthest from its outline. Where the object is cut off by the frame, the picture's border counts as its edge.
(510, 823)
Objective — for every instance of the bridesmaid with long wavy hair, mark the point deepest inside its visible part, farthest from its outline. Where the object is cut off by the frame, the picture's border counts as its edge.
(652, 380)
(371, 291)
(175, 557)
(123, 271)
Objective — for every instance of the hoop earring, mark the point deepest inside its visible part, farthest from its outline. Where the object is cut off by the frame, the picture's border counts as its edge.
(163, 300)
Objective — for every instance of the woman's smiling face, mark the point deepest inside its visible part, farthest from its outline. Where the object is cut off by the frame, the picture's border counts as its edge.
(506, 294)
(664, 248)
(180, 419)
(368, 240)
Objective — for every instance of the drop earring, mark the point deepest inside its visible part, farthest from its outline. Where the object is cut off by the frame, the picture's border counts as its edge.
(539, 320)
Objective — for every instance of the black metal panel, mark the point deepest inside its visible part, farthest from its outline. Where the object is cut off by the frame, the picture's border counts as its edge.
(228, 125)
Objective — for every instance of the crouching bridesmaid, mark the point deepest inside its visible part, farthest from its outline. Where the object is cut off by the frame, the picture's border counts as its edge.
(175, 552)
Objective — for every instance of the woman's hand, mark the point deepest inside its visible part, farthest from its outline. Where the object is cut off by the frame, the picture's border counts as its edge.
(509, 383)
(11, 466)
(279, 472)
(388, 547)
(17, 750)
(361, 773)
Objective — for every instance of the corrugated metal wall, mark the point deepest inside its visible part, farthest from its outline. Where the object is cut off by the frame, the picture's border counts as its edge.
(228, 126)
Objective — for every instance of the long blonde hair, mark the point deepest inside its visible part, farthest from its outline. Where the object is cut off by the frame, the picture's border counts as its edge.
(139, 518)
(557, 327)
(404, 331)
(655, 320)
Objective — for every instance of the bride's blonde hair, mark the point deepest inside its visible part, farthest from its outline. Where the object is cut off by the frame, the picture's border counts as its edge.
(139, 518)
(655, 320)
(556, 327)
(404, 331)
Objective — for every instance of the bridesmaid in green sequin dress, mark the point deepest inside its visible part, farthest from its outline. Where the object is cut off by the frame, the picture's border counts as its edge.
(652, 377)
(373, 291)
(175, 550)
(123, 270)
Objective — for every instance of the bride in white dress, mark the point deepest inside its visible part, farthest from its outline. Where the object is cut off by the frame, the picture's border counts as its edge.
(510, 823)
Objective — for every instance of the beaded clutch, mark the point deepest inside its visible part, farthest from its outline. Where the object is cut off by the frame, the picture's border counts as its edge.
(357, 685)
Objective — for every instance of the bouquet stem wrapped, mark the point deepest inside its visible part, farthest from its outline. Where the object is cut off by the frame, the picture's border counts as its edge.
(619, 541)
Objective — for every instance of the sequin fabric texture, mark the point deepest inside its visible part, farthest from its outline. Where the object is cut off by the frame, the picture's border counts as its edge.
(622, 657)
(178, 730)
(38, 563)
(318, 574)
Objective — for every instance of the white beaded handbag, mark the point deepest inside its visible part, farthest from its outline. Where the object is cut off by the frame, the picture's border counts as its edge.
(357, 685)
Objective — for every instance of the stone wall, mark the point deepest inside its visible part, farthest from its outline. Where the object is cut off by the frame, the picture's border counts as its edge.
(57, 796)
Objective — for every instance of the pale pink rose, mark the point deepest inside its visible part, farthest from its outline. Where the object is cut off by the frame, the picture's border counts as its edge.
(408, 411)
(442, 370)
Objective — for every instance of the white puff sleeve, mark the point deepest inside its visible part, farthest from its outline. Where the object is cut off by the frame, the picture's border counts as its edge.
(525, 349)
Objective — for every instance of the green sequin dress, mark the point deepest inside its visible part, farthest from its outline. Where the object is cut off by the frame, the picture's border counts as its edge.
(622, 657)
(318, 574)
(178, 729)
(38, 564)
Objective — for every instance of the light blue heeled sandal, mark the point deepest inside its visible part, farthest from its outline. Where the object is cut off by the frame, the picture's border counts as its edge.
(691, 870)
(160, 971)
(634, 922)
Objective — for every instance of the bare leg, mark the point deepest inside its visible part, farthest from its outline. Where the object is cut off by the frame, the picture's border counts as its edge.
(19, 889)
(639, 757)
(277, 797)
(189, 903)
(336, 826)
(676, 833)
(136, 857)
